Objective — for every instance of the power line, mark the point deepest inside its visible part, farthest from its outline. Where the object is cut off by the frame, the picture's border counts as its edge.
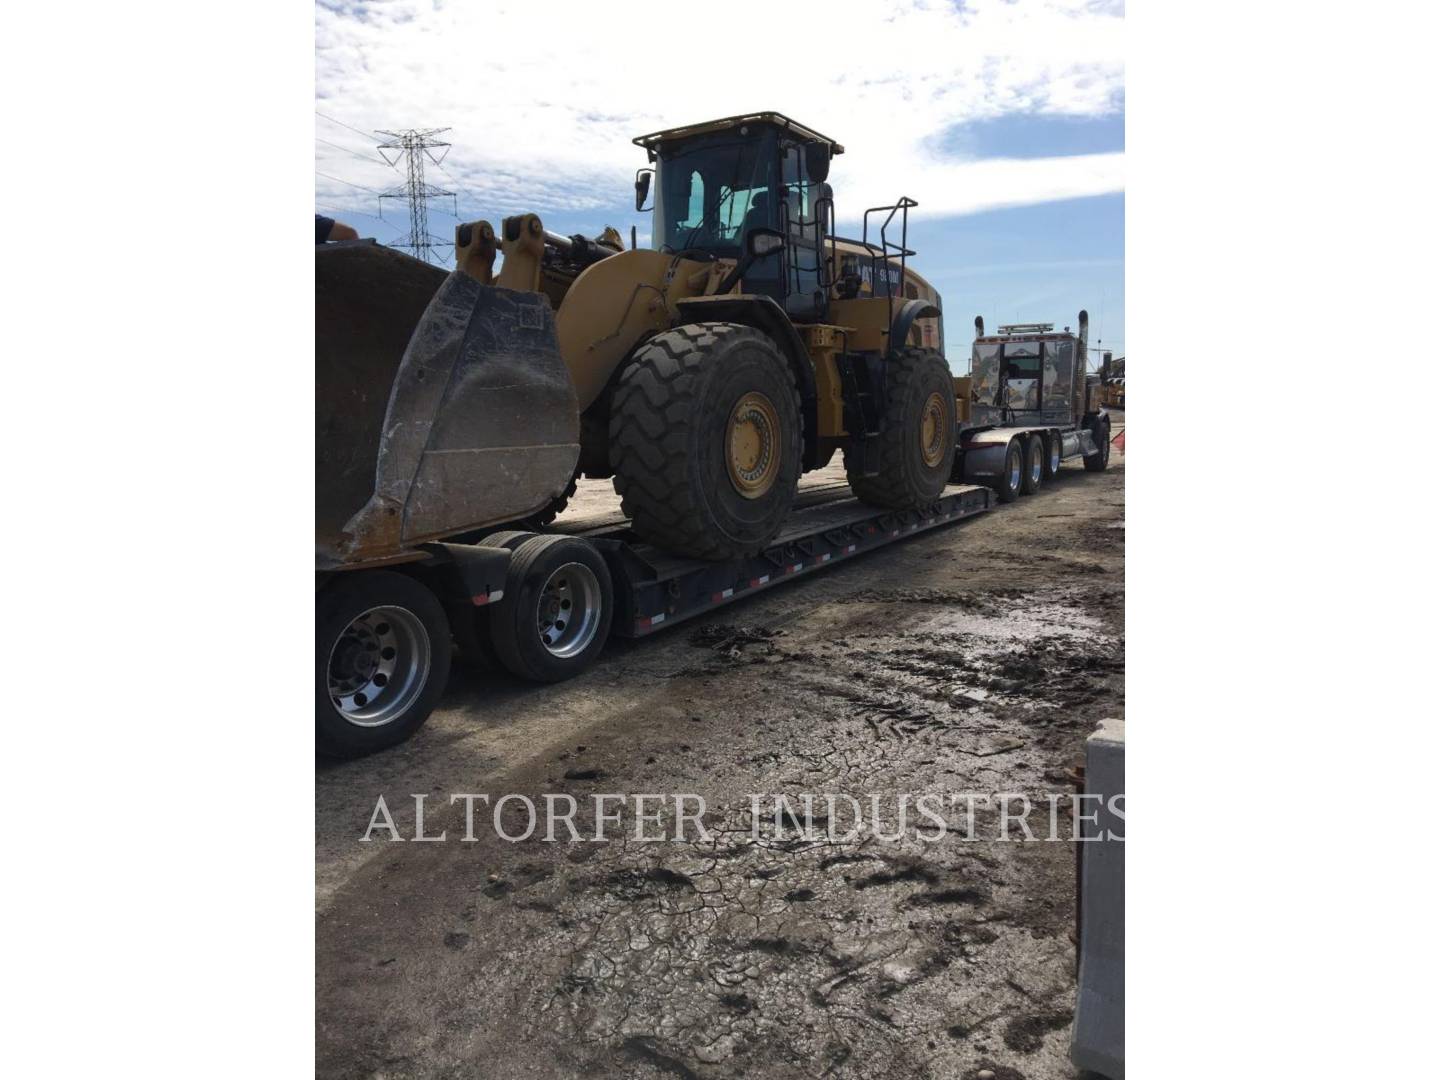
(417, 145)
(351, 210)
(353, 153)
(337, 179)
(463, 189)
(367, 134)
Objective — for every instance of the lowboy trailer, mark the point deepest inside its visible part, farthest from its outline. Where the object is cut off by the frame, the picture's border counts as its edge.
(392, 604)
(542, 604)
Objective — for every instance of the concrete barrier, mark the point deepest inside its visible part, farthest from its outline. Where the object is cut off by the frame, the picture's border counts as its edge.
(1098, 1039)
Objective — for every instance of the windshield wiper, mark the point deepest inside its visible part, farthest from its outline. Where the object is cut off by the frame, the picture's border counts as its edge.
(714, 214)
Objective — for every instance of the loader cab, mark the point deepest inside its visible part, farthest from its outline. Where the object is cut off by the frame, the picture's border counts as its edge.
(717, 182)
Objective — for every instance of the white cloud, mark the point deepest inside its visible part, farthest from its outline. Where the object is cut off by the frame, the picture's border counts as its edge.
(544, 98)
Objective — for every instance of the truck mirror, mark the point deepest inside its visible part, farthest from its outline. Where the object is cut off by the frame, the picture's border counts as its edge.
(642, 188)
(762, 242)
(817, 161)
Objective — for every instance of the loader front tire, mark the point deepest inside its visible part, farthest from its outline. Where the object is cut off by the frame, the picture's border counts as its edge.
(705, 440)
(554, 508)
(917, 434)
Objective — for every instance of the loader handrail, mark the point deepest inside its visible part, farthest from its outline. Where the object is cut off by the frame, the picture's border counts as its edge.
(887, 250)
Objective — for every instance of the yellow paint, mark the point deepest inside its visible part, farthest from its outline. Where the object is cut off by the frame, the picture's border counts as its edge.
(614, 304)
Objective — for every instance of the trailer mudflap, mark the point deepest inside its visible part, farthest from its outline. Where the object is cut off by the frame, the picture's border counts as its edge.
(471, 574)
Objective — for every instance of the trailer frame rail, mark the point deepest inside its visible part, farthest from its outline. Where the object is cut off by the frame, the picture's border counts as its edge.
(665, 590)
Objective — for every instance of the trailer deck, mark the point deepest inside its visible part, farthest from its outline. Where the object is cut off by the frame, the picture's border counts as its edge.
(655, 588)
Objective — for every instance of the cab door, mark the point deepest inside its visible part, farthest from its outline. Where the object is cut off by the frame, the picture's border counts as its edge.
(802, 221)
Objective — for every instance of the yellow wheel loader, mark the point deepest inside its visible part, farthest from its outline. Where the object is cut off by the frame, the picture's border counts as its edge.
(704, 374)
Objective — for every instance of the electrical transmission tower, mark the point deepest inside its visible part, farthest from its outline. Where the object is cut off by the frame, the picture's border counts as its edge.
(415, 146)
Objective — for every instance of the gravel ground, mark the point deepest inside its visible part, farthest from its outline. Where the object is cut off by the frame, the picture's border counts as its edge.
(975, 658)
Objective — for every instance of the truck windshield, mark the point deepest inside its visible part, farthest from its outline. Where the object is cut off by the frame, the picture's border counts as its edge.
(711, 191)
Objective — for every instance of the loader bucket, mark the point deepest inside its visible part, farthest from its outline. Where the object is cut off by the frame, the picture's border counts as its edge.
(442, 405)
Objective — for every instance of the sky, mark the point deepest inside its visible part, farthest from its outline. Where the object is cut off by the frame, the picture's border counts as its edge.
(1004, 119)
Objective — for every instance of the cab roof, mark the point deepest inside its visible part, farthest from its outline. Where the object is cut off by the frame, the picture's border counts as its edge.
(780, 120)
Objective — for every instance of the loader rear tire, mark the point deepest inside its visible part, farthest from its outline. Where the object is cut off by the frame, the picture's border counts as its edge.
(917, 434)
(382, 658)
(705, 440)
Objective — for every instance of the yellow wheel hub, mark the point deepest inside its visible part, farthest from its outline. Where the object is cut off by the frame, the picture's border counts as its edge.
(752, 445)
(932, 430)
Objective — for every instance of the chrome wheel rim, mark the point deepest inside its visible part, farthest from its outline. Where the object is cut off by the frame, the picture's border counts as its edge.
(1037, 469)
(567, 615)
(1015, 471)
(378, 666)
(1054, 456)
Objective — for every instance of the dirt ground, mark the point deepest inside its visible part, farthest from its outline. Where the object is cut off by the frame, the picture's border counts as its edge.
(974, 658)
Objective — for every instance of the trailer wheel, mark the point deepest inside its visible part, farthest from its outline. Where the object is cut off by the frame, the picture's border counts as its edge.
(1007, 485)
(1034, 465)
(382, 657)
(1100, 432)
(506, 538)
(555, 615)
(1052, 455)
(471, 624)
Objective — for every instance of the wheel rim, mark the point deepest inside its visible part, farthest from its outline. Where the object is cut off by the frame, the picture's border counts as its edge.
(1054, 456)
(378, 666)
(1015, 468)
(1037, 468)
(752, 445)
(932, 430)
(567, 616)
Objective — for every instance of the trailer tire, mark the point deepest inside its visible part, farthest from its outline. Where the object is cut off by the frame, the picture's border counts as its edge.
(473, 637)
(1100, 432)
(1007, 484)
(917, 434)
(555, 615)
(1034, 471)
(506, 538)
(705, 440)
(382, 658)
(1052, 455)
